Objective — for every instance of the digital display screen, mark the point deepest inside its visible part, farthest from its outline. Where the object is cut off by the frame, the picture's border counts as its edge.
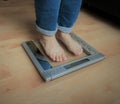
(76, 63)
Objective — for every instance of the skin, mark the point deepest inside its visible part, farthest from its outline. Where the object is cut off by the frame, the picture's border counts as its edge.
(53, 49)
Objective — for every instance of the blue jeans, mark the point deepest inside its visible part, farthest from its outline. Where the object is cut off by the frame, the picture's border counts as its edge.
(53, 15)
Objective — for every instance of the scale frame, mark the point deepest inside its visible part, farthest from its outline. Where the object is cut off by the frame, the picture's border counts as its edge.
(48, 72)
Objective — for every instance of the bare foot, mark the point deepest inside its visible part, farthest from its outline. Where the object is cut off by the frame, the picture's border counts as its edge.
(52, 48)
(71, 44)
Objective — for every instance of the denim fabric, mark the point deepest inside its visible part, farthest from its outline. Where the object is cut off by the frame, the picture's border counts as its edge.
(52, 15)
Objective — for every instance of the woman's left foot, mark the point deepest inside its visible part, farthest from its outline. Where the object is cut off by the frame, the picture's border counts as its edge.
(72, 45)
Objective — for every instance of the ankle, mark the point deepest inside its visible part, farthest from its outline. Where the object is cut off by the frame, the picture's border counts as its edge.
(45, 37)
(62, 34)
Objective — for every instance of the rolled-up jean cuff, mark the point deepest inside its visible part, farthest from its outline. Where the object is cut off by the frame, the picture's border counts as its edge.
(65, 29)
(45, 32)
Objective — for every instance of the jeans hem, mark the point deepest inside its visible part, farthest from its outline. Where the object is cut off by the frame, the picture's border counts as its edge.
(45, 32)
(65, 29)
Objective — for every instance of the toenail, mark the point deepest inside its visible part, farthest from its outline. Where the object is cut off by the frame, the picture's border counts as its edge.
(65, 58)
(79, 53)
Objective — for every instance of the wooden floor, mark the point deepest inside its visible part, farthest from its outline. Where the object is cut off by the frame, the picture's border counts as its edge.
(20, 82)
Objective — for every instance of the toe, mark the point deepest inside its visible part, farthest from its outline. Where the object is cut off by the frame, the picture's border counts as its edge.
(60, 58)
(52, 57)
(64, 57)
(57, 58)
(79, 51)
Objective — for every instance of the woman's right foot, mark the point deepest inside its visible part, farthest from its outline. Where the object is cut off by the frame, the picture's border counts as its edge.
(52, 48)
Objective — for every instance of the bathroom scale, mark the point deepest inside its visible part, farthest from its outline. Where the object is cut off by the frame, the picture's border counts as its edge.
(50, 71)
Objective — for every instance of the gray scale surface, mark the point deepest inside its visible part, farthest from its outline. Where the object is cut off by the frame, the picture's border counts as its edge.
(48, 72)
